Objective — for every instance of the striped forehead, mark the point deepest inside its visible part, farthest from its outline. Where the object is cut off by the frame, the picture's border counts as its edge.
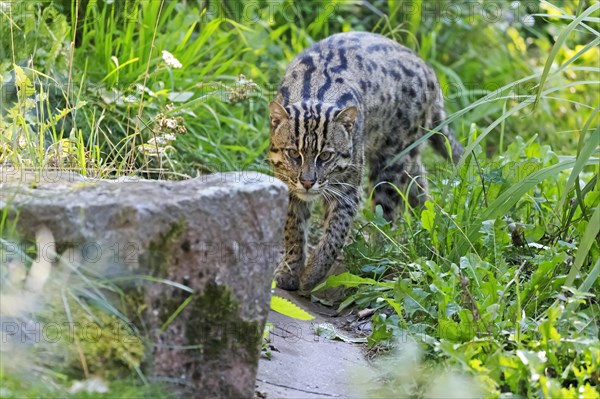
(309, 125)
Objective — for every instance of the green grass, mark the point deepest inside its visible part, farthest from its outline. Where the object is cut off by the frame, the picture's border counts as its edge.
(481, 278)
(70, 326)
(495, 279)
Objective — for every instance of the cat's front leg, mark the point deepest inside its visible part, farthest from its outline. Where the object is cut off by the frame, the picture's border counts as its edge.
(340, 210)
(287, 272)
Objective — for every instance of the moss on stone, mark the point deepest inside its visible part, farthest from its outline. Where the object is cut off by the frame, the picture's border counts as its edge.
(110, 347)
(157, 258)
(215, 324)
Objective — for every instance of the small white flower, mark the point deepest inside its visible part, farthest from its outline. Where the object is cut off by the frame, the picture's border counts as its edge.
(170, 60)
(171, 123)
(93, 385)
(528, 20)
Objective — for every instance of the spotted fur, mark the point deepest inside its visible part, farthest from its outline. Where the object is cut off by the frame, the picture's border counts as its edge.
(349, 99)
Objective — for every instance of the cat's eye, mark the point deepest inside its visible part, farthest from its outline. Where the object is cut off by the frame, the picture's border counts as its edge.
(294, 154)
(325, 156)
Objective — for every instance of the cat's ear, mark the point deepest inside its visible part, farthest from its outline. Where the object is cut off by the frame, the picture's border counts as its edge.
(278, 114)
(347, 117)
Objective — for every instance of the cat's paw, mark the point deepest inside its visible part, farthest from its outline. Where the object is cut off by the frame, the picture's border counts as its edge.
(287, 280)
(310, 278)
(306, 286)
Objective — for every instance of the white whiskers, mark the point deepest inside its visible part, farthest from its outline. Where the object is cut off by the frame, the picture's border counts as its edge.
(339, 195)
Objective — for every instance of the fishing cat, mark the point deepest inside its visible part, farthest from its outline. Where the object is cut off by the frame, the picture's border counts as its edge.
(349, 99)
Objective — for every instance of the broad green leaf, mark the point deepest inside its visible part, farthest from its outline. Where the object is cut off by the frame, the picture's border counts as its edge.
(287, 308)
(428, 216)
(456, 331)
(547, 327)
(346, 302)
(415, 299)
(267, 331)
(395, 305)
(328, 331)
(349, 280)
(589, 392)
(24, 84)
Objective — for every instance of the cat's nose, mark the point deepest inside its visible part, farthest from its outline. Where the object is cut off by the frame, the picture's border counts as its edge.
(308, 183)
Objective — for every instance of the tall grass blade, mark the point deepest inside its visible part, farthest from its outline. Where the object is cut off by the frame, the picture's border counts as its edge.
(176, 313)
(589, 236)
(584, 152)
(560, 41)
(509, 198)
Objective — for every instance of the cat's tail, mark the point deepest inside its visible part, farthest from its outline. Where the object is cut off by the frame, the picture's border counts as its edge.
(442, 140)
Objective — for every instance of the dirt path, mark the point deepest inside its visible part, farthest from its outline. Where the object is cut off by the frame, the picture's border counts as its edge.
(305, 365)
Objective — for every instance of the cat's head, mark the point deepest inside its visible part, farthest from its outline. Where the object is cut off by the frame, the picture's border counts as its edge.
(311, 146)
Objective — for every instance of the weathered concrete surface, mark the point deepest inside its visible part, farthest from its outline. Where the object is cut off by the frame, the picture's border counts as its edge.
(307, 366)
(219, 235)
